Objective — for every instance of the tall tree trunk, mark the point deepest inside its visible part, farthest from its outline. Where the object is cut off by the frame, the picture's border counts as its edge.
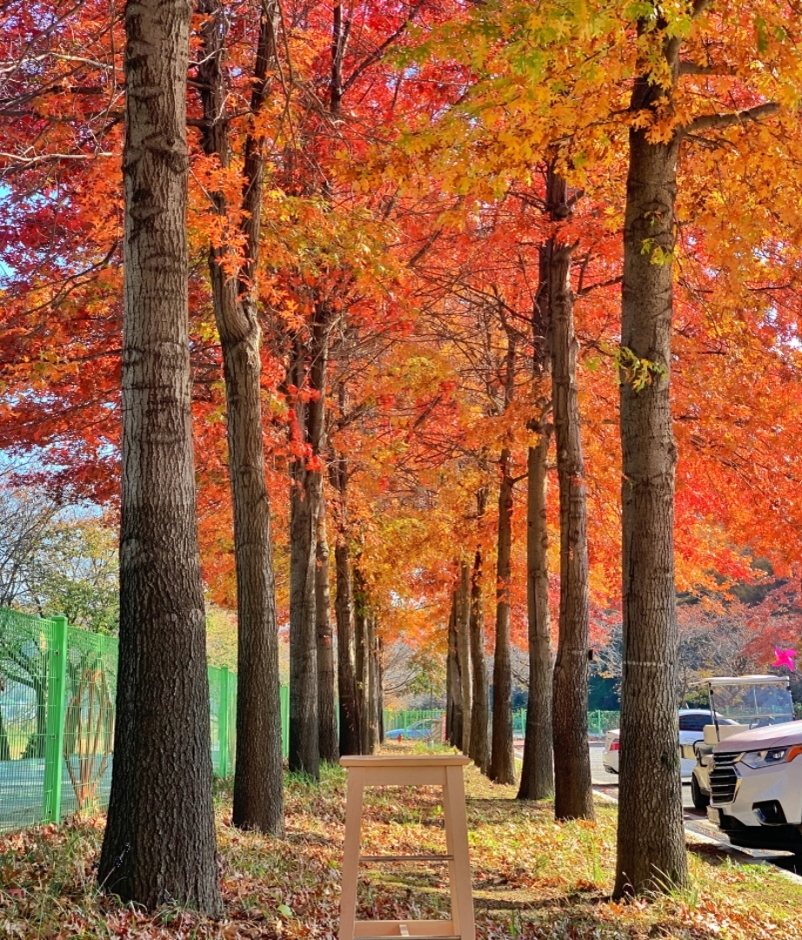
(304, 753)
(651, 846)
(373, 685)
(537, 775)
(316, 435)
(450, 648)
(159, 843)
(480, 719)
(350, 733)
(327, 715)
(464, 653)
(361, 659)
(453, 678)
(380, 688)
(502, 761)
(258, 782)
(573, 797)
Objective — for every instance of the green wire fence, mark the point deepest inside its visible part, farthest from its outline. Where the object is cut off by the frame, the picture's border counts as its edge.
(57, 694)
(409, 721)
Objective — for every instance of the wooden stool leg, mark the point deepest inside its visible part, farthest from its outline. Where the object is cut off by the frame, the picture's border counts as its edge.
(350, 869)
(459, 869)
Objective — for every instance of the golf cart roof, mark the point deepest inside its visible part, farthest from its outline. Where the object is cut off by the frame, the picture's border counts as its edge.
(714, 681)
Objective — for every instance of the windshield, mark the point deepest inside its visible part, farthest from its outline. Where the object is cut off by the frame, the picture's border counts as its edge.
(754, 705)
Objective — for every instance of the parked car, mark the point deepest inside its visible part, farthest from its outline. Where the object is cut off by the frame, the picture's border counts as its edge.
(756, 787)
(691, 729)
(747, 772)
(428, 729)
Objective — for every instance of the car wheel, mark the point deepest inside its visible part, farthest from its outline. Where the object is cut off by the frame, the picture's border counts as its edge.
(700, 800)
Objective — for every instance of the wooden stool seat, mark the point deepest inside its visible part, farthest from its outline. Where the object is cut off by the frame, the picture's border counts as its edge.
(441, 770)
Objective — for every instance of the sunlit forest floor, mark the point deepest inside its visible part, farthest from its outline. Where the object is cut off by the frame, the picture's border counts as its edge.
(532, 878)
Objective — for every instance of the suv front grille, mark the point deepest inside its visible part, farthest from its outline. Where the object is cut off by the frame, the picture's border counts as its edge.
(723, 779)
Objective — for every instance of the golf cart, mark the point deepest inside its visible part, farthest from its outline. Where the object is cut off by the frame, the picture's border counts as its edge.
(737, 704)
(752, 777)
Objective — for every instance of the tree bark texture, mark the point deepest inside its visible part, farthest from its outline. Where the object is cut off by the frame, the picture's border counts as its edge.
(373, 696)
(350, 733)
(258, 781)
(502, 762)
(379, 656)
(316, 436)
(651, 845)
(159, 844)
(464, 653)
(327, 714)
(362, 657)
(573, 797)
(304, 753)
(537, 774)
(480, 719)
(453, 679)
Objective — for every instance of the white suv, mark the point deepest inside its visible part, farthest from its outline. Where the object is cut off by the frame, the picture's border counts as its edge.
(756, 787)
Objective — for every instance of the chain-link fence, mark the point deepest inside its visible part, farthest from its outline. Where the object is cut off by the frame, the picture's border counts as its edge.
(407, 723)
(31, 687)
(57, 696)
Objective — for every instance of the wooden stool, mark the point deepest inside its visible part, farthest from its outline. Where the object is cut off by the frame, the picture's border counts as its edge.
(444, 770)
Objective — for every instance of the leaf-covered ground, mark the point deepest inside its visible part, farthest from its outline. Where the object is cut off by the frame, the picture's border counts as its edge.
(532, 878)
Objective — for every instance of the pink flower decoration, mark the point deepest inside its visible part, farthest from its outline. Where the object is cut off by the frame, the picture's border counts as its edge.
(784, 658)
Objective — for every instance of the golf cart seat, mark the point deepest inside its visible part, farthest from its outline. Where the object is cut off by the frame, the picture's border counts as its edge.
(724, 731)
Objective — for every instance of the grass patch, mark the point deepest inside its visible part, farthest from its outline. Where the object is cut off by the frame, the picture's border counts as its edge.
(533, 878)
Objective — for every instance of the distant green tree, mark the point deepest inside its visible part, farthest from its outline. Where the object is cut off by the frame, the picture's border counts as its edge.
(57, 559)
(75, 572)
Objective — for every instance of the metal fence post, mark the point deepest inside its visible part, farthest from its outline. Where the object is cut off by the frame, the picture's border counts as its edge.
(56, 709)
(222, 722)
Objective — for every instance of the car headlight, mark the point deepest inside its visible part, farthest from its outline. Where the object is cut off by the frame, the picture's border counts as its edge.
(771, 757)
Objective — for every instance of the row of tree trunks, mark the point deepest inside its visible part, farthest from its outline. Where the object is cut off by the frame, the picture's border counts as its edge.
(358, 673)
(350, 718)
(313, 733)
(304, 742)
(557, 714)
(367, 667)
(258, 785)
